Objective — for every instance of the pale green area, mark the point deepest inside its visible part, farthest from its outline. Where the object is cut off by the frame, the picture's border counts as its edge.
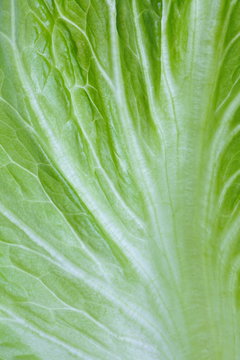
(119, 179)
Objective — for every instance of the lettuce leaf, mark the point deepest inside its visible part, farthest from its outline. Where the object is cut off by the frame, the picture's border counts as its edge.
(120, 179)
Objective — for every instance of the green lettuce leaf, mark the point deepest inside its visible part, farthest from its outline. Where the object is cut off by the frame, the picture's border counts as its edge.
(119, 179)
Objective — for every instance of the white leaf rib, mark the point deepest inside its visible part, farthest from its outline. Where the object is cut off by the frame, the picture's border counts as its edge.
(228, 185)
(72, 350)
(142, 170)
(102, 70)
(110, 228)
(101, 214)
